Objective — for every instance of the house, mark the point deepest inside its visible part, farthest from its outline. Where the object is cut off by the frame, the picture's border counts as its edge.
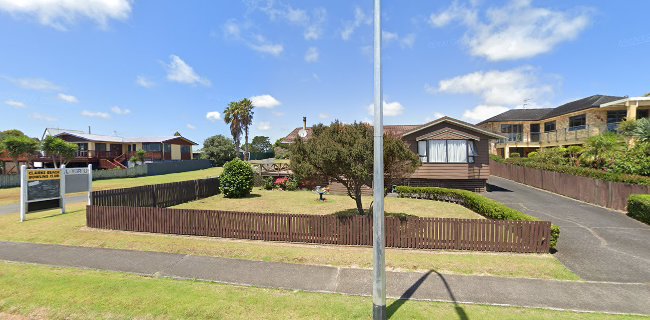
(454, 153)
(110, 152)
(572, 123)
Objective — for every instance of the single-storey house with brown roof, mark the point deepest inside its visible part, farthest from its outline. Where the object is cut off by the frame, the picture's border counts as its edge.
(454, 153)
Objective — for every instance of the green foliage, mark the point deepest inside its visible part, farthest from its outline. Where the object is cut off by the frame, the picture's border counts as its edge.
(138, 157)
(602, 150)
(20, 146)
(582, 171)
(636, 160)
(515, 155)
(484, 206)
(237, 179)
(218, 149)
(239, 115)
(344, 153)
(59, 150)
(638, 207)
(532, 154)
(261, 144)
(268, 183)
(639, 129)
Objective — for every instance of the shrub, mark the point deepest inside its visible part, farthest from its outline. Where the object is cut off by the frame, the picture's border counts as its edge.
(635, 160)
(268, 183)
(582, 171)
(515, 155)
(638, 207)
(484, 206)
(236, 179)
(292, 185)
(532, 154)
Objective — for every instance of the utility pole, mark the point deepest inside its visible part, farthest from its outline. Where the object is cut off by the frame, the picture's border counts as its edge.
(378, 237)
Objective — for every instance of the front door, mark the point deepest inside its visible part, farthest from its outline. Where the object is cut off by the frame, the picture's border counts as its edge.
(116, 150)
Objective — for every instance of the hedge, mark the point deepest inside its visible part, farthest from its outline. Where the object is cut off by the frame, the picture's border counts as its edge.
(484, 206)
(577, 171)
(638, 207)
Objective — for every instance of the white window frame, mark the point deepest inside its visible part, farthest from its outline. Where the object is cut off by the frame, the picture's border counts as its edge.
(471, 158)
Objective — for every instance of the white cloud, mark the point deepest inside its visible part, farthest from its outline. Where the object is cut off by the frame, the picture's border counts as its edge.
(15, 104)
(59, 14)
(405, 42)
(144, 82)
(233, 30)
(323, 116)
(509, 87)
(436, 115)
(360, 18)
(312, 55)
(312, 23)
(391, 109)
(264, 126)
(277, 113)
(515, 31)
(95, 114)
(120, 111)
(213, 116)
(482, 112)
(43, 117)
(38, 84)
(67, 98)
(181, 72)
(191, 127)
(265, 101)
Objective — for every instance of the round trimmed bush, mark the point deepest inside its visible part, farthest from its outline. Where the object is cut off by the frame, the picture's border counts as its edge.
(237, 179)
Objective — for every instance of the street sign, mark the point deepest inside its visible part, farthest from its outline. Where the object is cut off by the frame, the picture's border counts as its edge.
(43, 174)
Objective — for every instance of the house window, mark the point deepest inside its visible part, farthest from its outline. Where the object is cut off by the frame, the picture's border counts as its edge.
(151, 147)
(100, 146)
(578, 122)
(549, 126)
(168, 148)
(641, 113)
(614, 117)
(513, 131)
(186, 149)
(447, 151)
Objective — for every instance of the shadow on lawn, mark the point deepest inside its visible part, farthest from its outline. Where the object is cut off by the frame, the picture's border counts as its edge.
(393, 307)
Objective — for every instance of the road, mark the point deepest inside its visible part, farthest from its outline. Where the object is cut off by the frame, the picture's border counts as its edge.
(596, 243)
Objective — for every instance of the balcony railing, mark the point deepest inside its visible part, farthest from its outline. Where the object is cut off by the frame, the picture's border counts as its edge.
(577, 134)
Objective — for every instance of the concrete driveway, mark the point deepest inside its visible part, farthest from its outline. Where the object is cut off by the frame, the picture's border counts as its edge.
(596, 243)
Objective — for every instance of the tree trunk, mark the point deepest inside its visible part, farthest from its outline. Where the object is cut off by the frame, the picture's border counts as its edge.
(247, 155)
(357, 199)
(17, 165)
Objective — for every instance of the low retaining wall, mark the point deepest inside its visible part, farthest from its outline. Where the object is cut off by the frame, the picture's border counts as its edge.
(607, 194)
(415, 233)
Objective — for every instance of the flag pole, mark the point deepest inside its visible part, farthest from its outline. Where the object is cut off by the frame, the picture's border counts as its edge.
(378, 242)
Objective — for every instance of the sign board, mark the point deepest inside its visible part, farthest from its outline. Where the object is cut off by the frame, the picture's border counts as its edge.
(77, 180)
(43, 174)
(46, 188)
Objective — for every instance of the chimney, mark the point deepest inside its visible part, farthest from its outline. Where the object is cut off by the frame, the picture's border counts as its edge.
(88, 129)
(304, 123)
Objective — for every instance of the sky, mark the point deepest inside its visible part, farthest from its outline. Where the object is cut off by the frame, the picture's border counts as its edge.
(151, 68)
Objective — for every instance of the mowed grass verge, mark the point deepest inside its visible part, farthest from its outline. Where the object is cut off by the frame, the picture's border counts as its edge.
(69, 229)
(306, 202)
(11, 195)
(64, 293)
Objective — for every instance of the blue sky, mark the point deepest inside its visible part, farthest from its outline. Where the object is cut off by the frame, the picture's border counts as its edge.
(150, 68)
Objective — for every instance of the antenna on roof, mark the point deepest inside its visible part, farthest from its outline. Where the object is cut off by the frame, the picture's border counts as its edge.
(525, 103)
(89, 130)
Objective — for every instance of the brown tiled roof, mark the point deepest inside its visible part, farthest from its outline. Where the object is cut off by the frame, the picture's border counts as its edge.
(389, 129)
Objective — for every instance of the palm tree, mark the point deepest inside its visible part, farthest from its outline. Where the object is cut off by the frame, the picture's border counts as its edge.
(232, 116)
(246, 108)
(601, 150)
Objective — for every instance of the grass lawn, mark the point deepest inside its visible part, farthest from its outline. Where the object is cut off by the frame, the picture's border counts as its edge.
(306, 202)
(64, 293)
(11, 195)
(69, 229)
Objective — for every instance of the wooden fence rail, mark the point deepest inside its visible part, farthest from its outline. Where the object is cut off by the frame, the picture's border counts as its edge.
(158, 195)
(416, 233)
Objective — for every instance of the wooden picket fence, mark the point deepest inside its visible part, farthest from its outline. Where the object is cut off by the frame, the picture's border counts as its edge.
(416, 233)
(158, 195)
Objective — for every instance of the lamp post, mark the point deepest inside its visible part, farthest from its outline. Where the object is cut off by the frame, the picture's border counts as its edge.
(378, 238)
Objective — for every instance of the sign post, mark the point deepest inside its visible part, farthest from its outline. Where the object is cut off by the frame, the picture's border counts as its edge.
(62, 182)
(90, 184)
(23, 192)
